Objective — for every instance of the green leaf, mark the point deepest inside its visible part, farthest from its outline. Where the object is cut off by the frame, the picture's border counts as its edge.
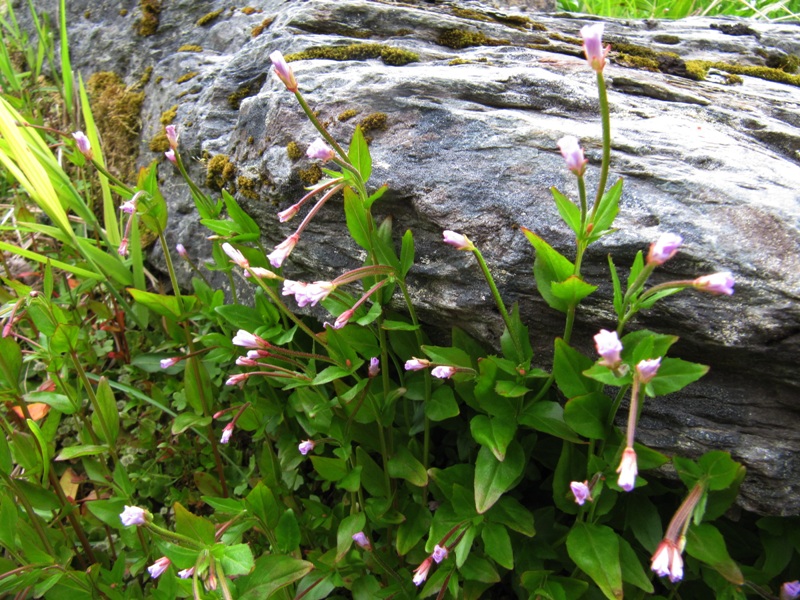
(479, 569)
(513, 515)
(196, 383)
(720, 469)
(349, 526)
(237, 560)
(595, 549)
(55, 400)
(65, 338)
(707, 545)
(606, 376)
(572, 290)
(271, 573)
(173, 307)
(448, 356)
(568, 210)
(548, 416)
(568, 368)
(497, 544)
(642, 518)
(588, 415)
(287, 533)
(607, 211)
(523, 355)
(6, 463)
(110, 265)
(618, 308)
(261, 502)
(389, 325)
(494, 433)
(359, 154)
(10, 363)
(494, 478)
(413, 529)
(192, 526)
(550, 266)
(244, 222)
(330, 469)
(81, 450)
(632, 571)
(442, 404)
(404, 465)
(406, 253)
(186, 420)
(240, 316)
(674, 374)
(108, 412)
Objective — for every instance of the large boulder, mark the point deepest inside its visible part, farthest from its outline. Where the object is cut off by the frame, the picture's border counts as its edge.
(469, 144)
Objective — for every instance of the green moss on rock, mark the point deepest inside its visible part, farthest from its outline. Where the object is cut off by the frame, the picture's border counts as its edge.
(311, 175)
(249, 10)
(347, 114)
(219, 171)
(147, 24)
(190, 48)
(209, 17)
(388, 54)
(293, 151)
(259, 29)
(461, 38)
(187, 77)
(666, 38)
(373, 122)
(245, 91)
(247, 187)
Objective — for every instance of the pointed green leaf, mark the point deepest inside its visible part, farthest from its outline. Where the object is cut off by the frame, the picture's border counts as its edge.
(720, 469)
(237, 560)
(497, 544)
(548, 416)
(287, 533)
(406, 253)
(359, 154)
(632, 571)
(568, 210)
(330, 469)
(706, 544)
(588, 415)
(413, 529)
(442, 404)
(349, 526)
(272, 572)
(595, 549)
(494, 478)
(494, 433)
(357, 218)
(608, 210)
(404, 465)
(513, 515)
(568, 368)
(10, 363)
(108, 412)
(550, 266)
(192, 526)
(572, 290)
(674, 374)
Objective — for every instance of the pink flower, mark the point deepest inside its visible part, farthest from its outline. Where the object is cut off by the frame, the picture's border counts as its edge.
(305, 447)
(133, 515)
(283, 250)
(717, 283)
(443, 372)
(128, 207)
(362, 540)
(581, 491)
(647, 369)
(227, 432)
(237, 379)
(343, 319)
(790, 590)
(246, 361)
(608, 347)
(170, 154)
(417, 364)
(307, 293)
(627, 470)
(186, 573)
(236, 256)
(166, 363)
(283, 71)
(122, 249)
(158, 567)
(421, 572)
(593, 46)
(248, 340)
(458, 241)
(83, 144)
(374, 367)
(439, 553)
(321, 150)
(181, 249)
(664, 248)
(172, 136)
(287, 214)
(667, 561)
(573, 154)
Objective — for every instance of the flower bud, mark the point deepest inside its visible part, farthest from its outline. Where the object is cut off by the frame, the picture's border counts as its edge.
(458, 241)
(664, 248)
(283, 71)
(83, 144)
(321, 150)
(608, 347)
(133, 515)
(158, 567)
(170, 155)
(717, 283)
(305, 447)
(443, 372)
(581, 492)
(647, 369)
(593, 46)
(573, 154)
(172, 136)
(417, 364)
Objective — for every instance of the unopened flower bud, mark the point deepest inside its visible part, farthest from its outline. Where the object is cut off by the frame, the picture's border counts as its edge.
(608, 347)
(443, 372)
(458, 241)
(581, 491)
(158, 567)
(172, 136)
(627, 470)
(321, 150)
(421, 572)
(362, 540)
(281, 252)
(573, 154)
(227, 432)
(170, 155)
(417, 364)
(439, 553)
(83, 144)
(287, 214)
(166, 363)
(717, 283)
(664, 248)
(283, 71)
(133, 515)
(647, 369)
(593, 46)
(236, 256)
(122, 249)
(305, 447)
(374, 367)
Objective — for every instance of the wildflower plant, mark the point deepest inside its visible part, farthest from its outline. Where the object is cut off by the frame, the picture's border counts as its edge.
(182, 444)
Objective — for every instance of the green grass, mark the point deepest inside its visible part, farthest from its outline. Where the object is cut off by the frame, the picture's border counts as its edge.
(770, 10)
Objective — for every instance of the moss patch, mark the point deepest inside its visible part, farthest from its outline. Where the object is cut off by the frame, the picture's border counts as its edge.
(147, 24)
(247, 187)
(123, 12)
(245, 91)
(461, 38)
(259, 29)
(516, 21)
(220, 171)
(160, 143)
(665, 38)
(116, 108)
(293, 151)
(190, 48)
(347, 114)
(187, 77)
(311, 175)
(209, 17)
(375, 121)
(459, 61)
(699, 70)
(787, 63)
(388, 54)
(249, 10)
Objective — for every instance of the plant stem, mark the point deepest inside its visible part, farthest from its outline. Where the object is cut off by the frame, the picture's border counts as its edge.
(498, 299)
(324, 132)
(604, 114)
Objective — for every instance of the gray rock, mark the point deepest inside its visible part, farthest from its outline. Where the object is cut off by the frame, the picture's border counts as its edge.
(472, 147)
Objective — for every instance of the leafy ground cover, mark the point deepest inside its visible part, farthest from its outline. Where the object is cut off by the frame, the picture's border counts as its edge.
(782, 10)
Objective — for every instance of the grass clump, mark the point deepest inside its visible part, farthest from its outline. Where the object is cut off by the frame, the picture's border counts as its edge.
(259, 29)
(389, 55)
(148, 22)
(187, 77)
(293, 151)
(116, 108)
(209, 17)
(461, 38)
(190, 48)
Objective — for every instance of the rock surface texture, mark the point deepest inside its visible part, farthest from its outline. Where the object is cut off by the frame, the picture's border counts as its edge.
(470, 145)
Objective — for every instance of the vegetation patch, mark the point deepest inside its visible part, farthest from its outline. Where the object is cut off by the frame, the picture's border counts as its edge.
(311, 175)
(249, 10)
(259, 29)
(375, 121)
(388, 54)
(247, 187)
(190, 48)
(461, 38)
(245, 91)
(116, 109)
(220, 171)
(293, 151)
(160, 143)
(668, 39)
(347, 115)
(209, 17)
(147, 24)
(187, 77)
(698, 70)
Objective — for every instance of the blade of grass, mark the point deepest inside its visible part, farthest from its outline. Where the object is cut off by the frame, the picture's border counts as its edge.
(66, 66)
(35, 256)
